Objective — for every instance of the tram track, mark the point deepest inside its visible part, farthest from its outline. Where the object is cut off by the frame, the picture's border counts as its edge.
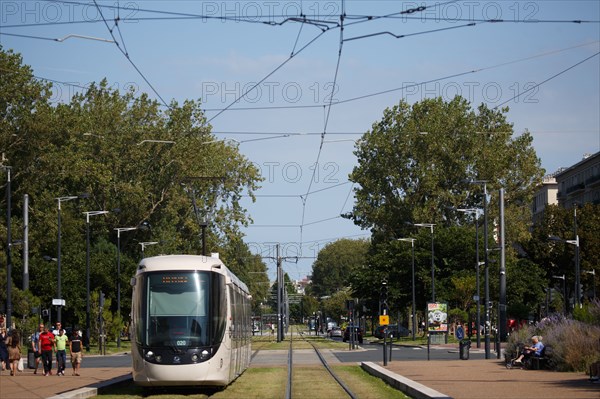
(323, 362)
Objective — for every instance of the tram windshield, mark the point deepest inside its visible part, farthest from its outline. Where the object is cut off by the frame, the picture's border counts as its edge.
(183, 309)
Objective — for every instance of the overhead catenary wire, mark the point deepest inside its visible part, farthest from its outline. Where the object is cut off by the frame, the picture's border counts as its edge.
(129, 58)
(548, 79)
(361, 19)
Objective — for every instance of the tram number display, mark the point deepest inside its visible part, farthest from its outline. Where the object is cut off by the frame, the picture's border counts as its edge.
(174, 279)
(181, 342)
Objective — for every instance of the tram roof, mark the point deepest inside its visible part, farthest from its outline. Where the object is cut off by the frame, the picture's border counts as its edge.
(188, 262)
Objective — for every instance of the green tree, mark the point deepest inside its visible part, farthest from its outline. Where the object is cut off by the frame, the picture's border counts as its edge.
(334, 265)
(414, 166)
(143, 163)
(557, 258)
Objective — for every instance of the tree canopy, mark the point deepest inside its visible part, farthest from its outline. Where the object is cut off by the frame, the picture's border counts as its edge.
(334, 265)
(419, 164)
(148, 165)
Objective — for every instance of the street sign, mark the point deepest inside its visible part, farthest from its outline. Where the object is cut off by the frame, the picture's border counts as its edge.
(460, 333)
(58, 302)
(384, 320)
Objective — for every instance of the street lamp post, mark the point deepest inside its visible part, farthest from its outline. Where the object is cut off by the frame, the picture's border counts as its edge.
(414, 320)
(487, 270)
(475, 212)
(576, 243)
(58, 251)
(145, 244)
(430, 225)
(566, 301)
(593, 273)
(8, 251)
(87, 273)
(119, 230)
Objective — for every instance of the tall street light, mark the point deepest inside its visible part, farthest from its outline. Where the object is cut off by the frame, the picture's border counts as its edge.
(119, 230)
(576, 243)
(87, 273)
(487, 270)
(414, 309)
(430, 225)
(593, 273)
(145, 244)
(8, 251)
(565, 300)
(475, 212)
(58, 251)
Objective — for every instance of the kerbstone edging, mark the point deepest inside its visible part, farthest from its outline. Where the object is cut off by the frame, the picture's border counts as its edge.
(409, 387)
(88, 392)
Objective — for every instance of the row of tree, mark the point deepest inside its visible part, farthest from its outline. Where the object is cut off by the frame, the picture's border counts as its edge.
(147, 165)
(421, 164)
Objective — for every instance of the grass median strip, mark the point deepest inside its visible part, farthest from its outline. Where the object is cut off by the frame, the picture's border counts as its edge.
(366, 386)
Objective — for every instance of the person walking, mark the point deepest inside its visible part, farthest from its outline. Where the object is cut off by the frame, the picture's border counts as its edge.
(3, 349)
(76, 353)
(35, 346)
(46, 344)
(60, 344)
(14, 351)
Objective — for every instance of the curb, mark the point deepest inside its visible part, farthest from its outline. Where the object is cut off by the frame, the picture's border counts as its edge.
(409, 387)
(88, 392)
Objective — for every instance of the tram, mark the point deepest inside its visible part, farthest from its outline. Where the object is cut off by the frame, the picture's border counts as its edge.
(190, 322)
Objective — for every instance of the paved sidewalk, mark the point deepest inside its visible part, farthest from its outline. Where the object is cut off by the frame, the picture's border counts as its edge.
(458, 379)
(28, 385)
(477, 379)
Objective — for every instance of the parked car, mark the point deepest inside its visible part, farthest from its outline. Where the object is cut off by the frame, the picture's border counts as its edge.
(357, 330)
(335, 332)
(394, 331)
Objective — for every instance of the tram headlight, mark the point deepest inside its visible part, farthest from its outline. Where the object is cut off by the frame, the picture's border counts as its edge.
(158, 358)
(195, 358)
(149, 355)
(204, 354)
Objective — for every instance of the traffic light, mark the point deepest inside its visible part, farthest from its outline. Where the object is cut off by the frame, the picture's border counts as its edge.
(383, 298)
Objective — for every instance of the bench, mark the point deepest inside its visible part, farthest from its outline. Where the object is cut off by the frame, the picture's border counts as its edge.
(541, 362)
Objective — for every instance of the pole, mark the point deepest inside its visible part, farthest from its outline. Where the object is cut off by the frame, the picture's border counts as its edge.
(432, 268)
(487, 279)
(87, 279)
(577, 272)
(478, 301)
(119, 284)
(8, 252)
(25, 242)
(279, 323)
(59, 282)
(414, 306)
(502, 297)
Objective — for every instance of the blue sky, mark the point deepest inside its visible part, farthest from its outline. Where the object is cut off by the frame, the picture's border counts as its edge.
(218, 50)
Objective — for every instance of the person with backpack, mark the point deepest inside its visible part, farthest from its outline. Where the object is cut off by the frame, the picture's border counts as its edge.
(35, 346)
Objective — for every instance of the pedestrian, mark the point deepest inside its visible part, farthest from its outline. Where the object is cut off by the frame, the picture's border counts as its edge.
(533, 350)
(3, 349)
(60, 344)
(76, 352)
(35, 346)
(14, 351)
(46, 344)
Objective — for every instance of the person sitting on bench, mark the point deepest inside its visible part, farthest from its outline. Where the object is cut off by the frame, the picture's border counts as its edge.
(533, 350)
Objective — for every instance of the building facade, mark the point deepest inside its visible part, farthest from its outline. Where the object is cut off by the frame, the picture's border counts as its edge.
(580, 183)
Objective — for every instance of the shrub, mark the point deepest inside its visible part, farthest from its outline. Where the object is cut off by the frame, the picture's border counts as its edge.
(575, 344)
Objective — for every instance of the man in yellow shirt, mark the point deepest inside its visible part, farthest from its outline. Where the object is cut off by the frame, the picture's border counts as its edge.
(60, 344)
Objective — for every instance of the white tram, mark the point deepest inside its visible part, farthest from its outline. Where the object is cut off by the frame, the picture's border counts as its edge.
(190, 322)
